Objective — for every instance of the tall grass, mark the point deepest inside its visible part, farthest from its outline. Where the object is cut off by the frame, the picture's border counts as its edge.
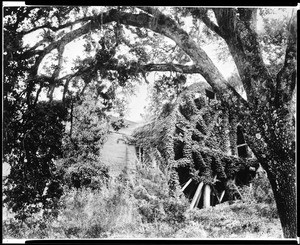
(138, 205)
(85, 213)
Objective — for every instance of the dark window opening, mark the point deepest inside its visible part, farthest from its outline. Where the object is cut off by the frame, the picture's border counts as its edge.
(178, 149)
(200, 127)
(240, 136)
(210, 94)
(200, 102)
(242, 151)
(245, 176)
(184, 177)
(242, 148)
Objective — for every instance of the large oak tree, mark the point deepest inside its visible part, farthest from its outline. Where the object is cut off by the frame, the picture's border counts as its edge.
(266, 114)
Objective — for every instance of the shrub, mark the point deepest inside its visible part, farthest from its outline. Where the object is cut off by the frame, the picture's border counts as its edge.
(30, 149)
(35, 227)
(262, 188)
(95, 213)
(191, 230)
(240, 219)
(85, 174)
(154, 202)
(118, 124)
(81, 165)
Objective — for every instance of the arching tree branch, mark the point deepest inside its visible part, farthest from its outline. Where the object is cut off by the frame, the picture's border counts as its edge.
(211, 25)
(158, 23)
(60, 27)
(201, 13)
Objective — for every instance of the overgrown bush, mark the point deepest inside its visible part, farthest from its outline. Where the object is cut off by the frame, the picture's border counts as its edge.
(139, 206)
(118, 124)
(85, 213)
(154, 202)
(192, 229)
(262, 190)
(84, 174)
(260, 194)
(35, 227)
(93, 214)
(31, 146)
(81, 165)
(240, 219)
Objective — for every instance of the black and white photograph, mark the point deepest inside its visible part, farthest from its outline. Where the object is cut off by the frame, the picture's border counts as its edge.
(149, 122)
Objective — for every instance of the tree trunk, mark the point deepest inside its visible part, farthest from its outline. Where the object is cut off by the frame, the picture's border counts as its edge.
(284, 189)
(197, 195)
(276, 153)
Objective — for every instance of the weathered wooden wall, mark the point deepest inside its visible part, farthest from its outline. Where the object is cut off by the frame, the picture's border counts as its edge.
(116, 153)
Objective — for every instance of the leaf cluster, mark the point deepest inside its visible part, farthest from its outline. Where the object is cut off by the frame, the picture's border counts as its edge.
(34, 183)
(80, 164)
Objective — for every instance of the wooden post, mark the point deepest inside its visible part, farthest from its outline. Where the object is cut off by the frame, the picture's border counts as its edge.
(197, 201)
(206, 196)
(197, 194)
(216, 193)
(154, 164)
(186, 184)
(140, 154)
(237, 190)
(222, 195)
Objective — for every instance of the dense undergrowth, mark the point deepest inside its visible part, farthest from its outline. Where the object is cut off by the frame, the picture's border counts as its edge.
(140, 206)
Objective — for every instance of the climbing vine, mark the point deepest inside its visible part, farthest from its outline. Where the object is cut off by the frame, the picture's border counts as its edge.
(198, 134)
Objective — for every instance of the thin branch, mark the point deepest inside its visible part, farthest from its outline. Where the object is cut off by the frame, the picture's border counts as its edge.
(170, 67)
(211, 25)
(38, 93)
(65, 39)
(151, 10)
(66, 87)
(41, 42)
(201, 13)
(53, 28)
(57, 70)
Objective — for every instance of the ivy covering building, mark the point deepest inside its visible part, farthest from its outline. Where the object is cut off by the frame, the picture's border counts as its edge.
(198, 142)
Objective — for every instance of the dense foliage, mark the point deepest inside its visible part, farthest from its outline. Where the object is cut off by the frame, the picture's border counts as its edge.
(34, 182)
(141, 207)
(121, 44)
(165, 89)
(88, 129)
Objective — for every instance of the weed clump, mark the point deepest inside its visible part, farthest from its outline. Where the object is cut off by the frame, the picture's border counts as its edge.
(140, 206)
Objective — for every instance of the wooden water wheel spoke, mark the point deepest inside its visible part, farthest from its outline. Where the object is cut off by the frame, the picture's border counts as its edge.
(197, 195)
(222, 195)
(186, 185)
(198, 200)
(206, 196)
